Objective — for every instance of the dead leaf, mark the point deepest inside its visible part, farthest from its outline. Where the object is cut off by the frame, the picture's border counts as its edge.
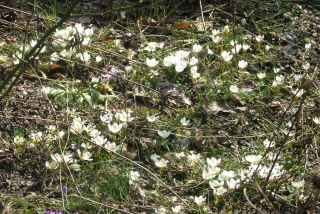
(139, 93)
(108, 38)
(215, 107)
(51, 68)
(182, 25)
(236, 99)
(200, 25)
(150, 21)
(248, 86)
(175, 94)
(138, 194)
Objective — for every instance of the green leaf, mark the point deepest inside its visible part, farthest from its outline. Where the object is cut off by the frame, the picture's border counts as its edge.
(21, 202)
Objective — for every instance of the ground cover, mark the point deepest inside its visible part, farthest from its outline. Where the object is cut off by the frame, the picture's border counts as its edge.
(157, 107)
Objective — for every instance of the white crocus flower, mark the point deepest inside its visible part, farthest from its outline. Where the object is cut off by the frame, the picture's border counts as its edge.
(268, 144)
(66, 54)
(100, 141)
(195, 75)
(35, 137)
(152, 118)
(214, 170)
(236, 49)
(297, 77)
(242, 64)
(67, 157)
(234, 89)
(75, 167)
(213, 161)
(134, 175)
(261, 75)
(168, 61)
(88, 32)
(233, 184)
(216, 39)
(298, 184)
(176, 209)
(57, 158)
(298, 93)
(79, 28)
(226, 175)
(308, 46)
(111, 146)
(152, 62)
(199, 200)
(197, 48)
(233, 43)
(107, 118)
(46, 90)
(316, 120)
(276, 70)
(253, 159)
(216, 184)
(306, 66)
(278, 81)
(226, 56)
(184, 121)
(215, 32)
(164, 134)
(267, 48)
(18, 140)
(52, 128)
(86, 145)
(259, 38)
(181, 65)
(207, 175)
(181, 54)
(85, 56)
(54, 57)
(193, 61)
(77, 128)
(98, 59)
(245, 47)
(86, 155)
(52, 165)
(194, 69)
(220, 191)
(161, 163)
(124, 117)
(246, 174)
(226, 29)
(243, 21)
(115, 127)
(180, 155)
(193, 157)
(154, 157)
(86, 41)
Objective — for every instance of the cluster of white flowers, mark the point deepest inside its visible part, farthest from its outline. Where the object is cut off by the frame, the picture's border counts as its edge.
(121, 119)
(181, 59)
(67, 159)
(161, 163)
(260, 169)
(79, 126)
(133, 176)
(278, 81)
(152, 46)
(71, 33)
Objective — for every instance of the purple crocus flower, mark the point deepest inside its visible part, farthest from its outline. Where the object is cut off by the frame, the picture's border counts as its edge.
(53, 212)
(64, 189)
(109, 73)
